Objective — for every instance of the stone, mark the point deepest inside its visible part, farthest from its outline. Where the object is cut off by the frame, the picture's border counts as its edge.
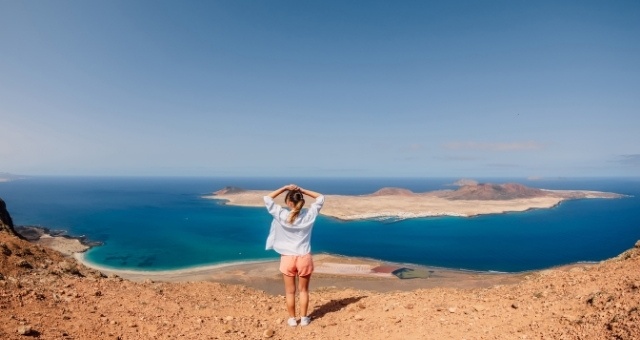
(452, 309)
(4, 249)
(24, 264)
(268, 333)
(25, 330)
(358, 317)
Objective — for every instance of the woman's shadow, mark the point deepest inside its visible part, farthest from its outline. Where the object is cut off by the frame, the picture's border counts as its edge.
(333, 306)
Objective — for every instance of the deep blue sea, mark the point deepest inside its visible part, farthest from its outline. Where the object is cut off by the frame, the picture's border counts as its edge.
(164, 223)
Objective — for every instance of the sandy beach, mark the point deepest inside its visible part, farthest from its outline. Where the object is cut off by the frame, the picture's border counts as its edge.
(331, 271)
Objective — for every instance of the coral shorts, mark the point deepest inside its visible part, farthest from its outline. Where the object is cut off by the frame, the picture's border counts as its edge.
(292, 265)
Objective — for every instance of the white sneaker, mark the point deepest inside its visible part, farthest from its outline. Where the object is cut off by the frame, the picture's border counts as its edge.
(292, 322)
(304, 321)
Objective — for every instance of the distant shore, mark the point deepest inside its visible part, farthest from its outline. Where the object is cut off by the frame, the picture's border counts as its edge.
(396, 203)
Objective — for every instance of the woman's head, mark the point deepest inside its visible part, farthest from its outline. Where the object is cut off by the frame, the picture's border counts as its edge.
(294, 200)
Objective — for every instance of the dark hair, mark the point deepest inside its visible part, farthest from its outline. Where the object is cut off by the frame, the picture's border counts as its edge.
(295, 197)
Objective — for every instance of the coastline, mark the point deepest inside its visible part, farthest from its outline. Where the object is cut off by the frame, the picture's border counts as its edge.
(331, 272)
(56, 239)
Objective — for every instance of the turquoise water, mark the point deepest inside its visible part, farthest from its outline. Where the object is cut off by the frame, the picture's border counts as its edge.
(164, 223)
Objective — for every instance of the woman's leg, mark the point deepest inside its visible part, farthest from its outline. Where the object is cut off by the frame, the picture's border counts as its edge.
(303, 288)
(290, 293)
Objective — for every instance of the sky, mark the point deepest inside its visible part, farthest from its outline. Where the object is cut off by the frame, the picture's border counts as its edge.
(536, 89)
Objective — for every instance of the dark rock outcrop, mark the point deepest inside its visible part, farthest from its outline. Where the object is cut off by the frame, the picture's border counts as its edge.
(6, 223)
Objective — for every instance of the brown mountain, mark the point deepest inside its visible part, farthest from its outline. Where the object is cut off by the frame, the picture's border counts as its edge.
(389, 191)
(489, 191)
(229, 190)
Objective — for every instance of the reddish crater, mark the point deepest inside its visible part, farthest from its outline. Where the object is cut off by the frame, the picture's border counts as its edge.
(393, 192)
(489, 191)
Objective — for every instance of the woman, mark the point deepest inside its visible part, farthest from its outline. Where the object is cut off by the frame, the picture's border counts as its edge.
(290, 236)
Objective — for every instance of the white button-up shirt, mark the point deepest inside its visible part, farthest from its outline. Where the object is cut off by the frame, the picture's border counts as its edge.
(291, 238)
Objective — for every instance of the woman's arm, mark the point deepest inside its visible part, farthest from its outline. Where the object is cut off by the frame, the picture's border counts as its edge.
(277, 192)
(310, 193)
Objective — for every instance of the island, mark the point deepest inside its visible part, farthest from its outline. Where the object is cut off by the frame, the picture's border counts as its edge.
(7, 177)
(470, 199)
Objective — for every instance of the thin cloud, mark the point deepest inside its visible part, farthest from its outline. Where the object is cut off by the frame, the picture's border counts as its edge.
(503, 165)
(494, 147)
(458, 158)
(415, 147)
(629, 160)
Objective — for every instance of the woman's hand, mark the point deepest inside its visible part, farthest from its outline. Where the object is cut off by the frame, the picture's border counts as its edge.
(277, 192)
(292, 187)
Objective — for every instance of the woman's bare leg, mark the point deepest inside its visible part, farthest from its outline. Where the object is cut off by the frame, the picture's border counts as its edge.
(290, 293)
(303, 288)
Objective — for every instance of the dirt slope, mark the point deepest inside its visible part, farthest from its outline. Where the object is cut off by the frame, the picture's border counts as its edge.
(46, 295)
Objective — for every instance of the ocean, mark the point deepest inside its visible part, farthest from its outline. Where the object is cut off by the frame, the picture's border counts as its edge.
(164, 223)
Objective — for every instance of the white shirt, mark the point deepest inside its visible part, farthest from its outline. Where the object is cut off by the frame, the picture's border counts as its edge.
(291, 238)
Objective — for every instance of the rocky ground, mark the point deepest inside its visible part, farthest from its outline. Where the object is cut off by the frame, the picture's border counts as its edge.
(46, 295)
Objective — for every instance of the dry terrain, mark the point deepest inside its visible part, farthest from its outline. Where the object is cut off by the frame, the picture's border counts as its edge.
(47, 295)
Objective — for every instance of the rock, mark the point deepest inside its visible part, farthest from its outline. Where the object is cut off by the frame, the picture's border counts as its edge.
(69, 268)
(514, 305)
(6, 223)
(24, 264)
(25, 330)
(452, 309)
(637, 245)
(358, 317)
(4, 249)
(268, 333)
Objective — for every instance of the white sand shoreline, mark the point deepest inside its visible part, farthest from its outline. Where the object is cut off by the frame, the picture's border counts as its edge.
(81, 257)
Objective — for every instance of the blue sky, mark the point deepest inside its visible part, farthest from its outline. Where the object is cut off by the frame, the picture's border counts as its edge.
(325, 88)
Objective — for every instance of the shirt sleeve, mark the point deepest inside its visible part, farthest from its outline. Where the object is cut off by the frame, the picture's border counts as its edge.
(273, 208)
(314, 209)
